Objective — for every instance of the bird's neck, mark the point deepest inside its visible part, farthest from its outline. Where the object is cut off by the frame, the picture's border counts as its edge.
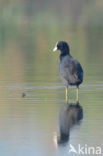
(64, 53)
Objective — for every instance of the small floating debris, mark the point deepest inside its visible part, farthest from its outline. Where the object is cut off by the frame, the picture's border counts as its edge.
(23, 95)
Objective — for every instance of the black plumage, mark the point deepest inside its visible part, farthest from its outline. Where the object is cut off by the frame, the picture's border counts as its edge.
(71, 71)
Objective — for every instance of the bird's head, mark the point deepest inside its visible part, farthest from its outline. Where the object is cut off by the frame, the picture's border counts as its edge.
(63, 47)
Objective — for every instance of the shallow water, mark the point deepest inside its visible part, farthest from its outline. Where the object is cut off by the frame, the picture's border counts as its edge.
(29, 125)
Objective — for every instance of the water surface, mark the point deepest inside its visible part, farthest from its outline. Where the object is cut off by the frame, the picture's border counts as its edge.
(29, 125)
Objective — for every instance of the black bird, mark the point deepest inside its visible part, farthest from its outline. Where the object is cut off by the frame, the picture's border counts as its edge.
(71, 71)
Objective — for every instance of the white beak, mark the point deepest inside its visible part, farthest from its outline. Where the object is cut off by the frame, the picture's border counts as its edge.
(55, 48)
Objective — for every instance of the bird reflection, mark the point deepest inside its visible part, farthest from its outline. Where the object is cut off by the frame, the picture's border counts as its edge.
(70, 115)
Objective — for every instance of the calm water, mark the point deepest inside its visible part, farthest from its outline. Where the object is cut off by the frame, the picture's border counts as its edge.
(29, 125)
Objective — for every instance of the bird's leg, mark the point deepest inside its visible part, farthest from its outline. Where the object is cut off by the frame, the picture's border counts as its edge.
(66, 96)
(77, 96)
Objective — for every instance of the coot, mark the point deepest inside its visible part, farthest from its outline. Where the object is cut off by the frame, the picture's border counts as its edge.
(71, 71)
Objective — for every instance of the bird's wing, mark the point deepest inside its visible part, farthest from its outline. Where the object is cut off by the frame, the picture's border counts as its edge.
(77, 70)
(72, 70)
